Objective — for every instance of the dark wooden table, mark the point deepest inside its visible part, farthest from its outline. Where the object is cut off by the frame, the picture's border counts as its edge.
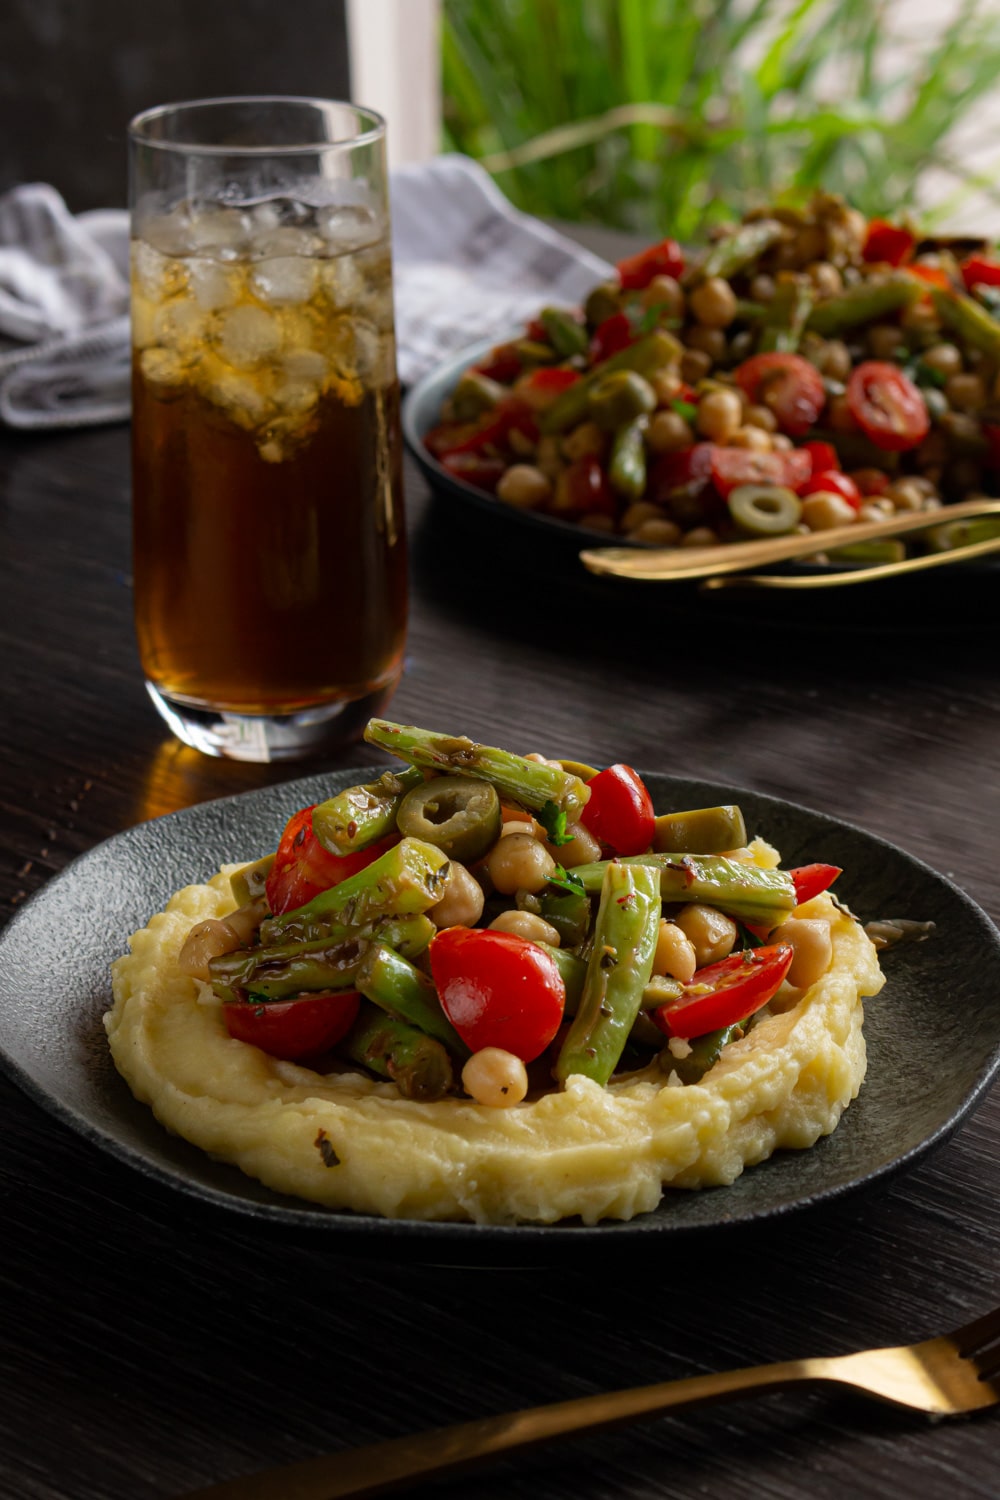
(149, 1344)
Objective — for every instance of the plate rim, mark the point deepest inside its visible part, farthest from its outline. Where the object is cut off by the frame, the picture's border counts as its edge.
(446, 1236)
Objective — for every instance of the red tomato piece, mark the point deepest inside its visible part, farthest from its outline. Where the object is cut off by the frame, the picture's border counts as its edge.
(888, 244)
(478, 469)
(871, 481)
(637, 271)
(932, 275)
(686, 469)
(832, 481)
(823, 456)
(732, 467)
(786, 383)
(991, 432)
(583, 489)
(736, 987)
(978, 271)
(610, 337)
(497, 989)
(887, 406)
(551, 379)
(450, 437)
(502, 363)
(620, 810)
(302, 867)
(293, 1029)
(810, 880)
(536, 330)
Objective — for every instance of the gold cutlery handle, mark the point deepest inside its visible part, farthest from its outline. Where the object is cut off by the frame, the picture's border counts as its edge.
(865, 574)
(659, 564)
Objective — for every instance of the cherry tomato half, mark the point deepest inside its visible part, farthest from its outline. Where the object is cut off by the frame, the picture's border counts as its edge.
(823, 456)
(610, 337)
(887, 406)
(620, 810)
(871, 481)
(810, 880)
(478, 469)
(732, 467)
(497, 989)
(637, 271)
(302, 867)
(503, 363)
(888, 244)
(786, 383)
(687, 469)
(293, 1029)
(583, 489)
(833, 482)
(737, 986)
(978, 271)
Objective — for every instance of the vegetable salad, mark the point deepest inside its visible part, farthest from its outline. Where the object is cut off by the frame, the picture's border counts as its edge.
(807, 369)
(492, 924)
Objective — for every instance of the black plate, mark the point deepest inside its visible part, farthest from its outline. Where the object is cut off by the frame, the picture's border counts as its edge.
(933, 1035)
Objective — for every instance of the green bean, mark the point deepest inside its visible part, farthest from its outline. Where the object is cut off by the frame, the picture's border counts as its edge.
(361, 815)
(620, 964)
(702, 830)
(741, 889)
(326, 963)
(704, 1054)
(407, 879)
(785, 318)
(573, 970)
(620, 396)
(627, 461)
(566, 335)
(529, 783)
(864, 303)
(659, 350)
(395, 985)
(969, 319)
(737, 251)
(418, 1064)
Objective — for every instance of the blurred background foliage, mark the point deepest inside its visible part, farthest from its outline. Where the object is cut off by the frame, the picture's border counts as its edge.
(665, 116)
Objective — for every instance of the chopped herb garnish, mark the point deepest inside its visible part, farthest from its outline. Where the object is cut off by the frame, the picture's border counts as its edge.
(566, 880)
(685, 409)
(553, 820)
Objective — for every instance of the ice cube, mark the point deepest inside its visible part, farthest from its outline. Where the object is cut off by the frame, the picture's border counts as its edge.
(167, 233)
(241, 397)
(156, 275)
(143, 321)
(341, 281)
(296, 397)
(246, 336)
(286, 239)
(283, 280)
(354, 348)
(214, 286)
(223, 232)
(181, 325)
(349, 227)
(164, 370)
(304, 364)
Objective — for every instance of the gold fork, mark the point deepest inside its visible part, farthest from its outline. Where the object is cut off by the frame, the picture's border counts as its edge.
(947, 1376)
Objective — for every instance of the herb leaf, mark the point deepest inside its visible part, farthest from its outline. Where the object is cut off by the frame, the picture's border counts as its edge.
(553, 820)
(566, 880)
(685, 409)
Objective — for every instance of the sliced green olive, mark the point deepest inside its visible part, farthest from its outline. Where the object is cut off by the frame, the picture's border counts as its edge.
(879, 550)
(456, 814)
(619, 397)
(248, 884)
(474, 394)
(962, 533)
(603, 302)
(703, 830)
(578, 768)
(764, 509)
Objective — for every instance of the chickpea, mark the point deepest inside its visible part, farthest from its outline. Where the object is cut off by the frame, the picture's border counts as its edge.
(812, 947)
(664, 291)
(762, 288)
(711, 933)
(548, 456)
(584, 441)
(524, 486)
(699, 536)
(834, 360)
(720, 414)
(878, 508)
(637, 512)
(519, 863)
(781, 443)
(905, 495)
(209, 939)
(657, 532)
(884, 341)
(695, 365)
(921, 318)
(825, 509)
(760, 416)
(825, 278)
(712, 341)
(666, 384)
(753, 438)
(528, 925)
(495, 1078)
(965, 392)
(527, 826)
(674, 953)
(839, 415)
(462, 902)
(667, 432)
(713, 303)
(583, 848)
(945, 359)
(523, 445)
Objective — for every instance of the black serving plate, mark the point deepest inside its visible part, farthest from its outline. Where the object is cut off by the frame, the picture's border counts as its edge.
(933, 1034)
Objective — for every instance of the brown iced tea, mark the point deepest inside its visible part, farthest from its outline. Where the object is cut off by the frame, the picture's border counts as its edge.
(269, 537)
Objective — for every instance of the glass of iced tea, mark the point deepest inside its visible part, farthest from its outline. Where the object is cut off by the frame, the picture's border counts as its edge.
(268, 528)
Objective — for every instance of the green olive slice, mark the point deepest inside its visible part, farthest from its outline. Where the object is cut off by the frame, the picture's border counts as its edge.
(702, 830)
(764, 509)
(456, 814)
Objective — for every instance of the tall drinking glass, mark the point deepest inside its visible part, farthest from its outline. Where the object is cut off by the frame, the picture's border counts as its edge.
(268, 526)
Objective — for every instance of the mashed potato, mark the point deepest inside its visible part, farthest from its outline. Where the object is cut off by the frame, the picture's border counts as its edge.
(348, 1141)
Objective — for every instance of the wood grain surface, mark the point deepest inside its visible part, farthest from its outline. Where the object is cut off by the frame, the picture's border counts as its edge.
(149, 1344)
